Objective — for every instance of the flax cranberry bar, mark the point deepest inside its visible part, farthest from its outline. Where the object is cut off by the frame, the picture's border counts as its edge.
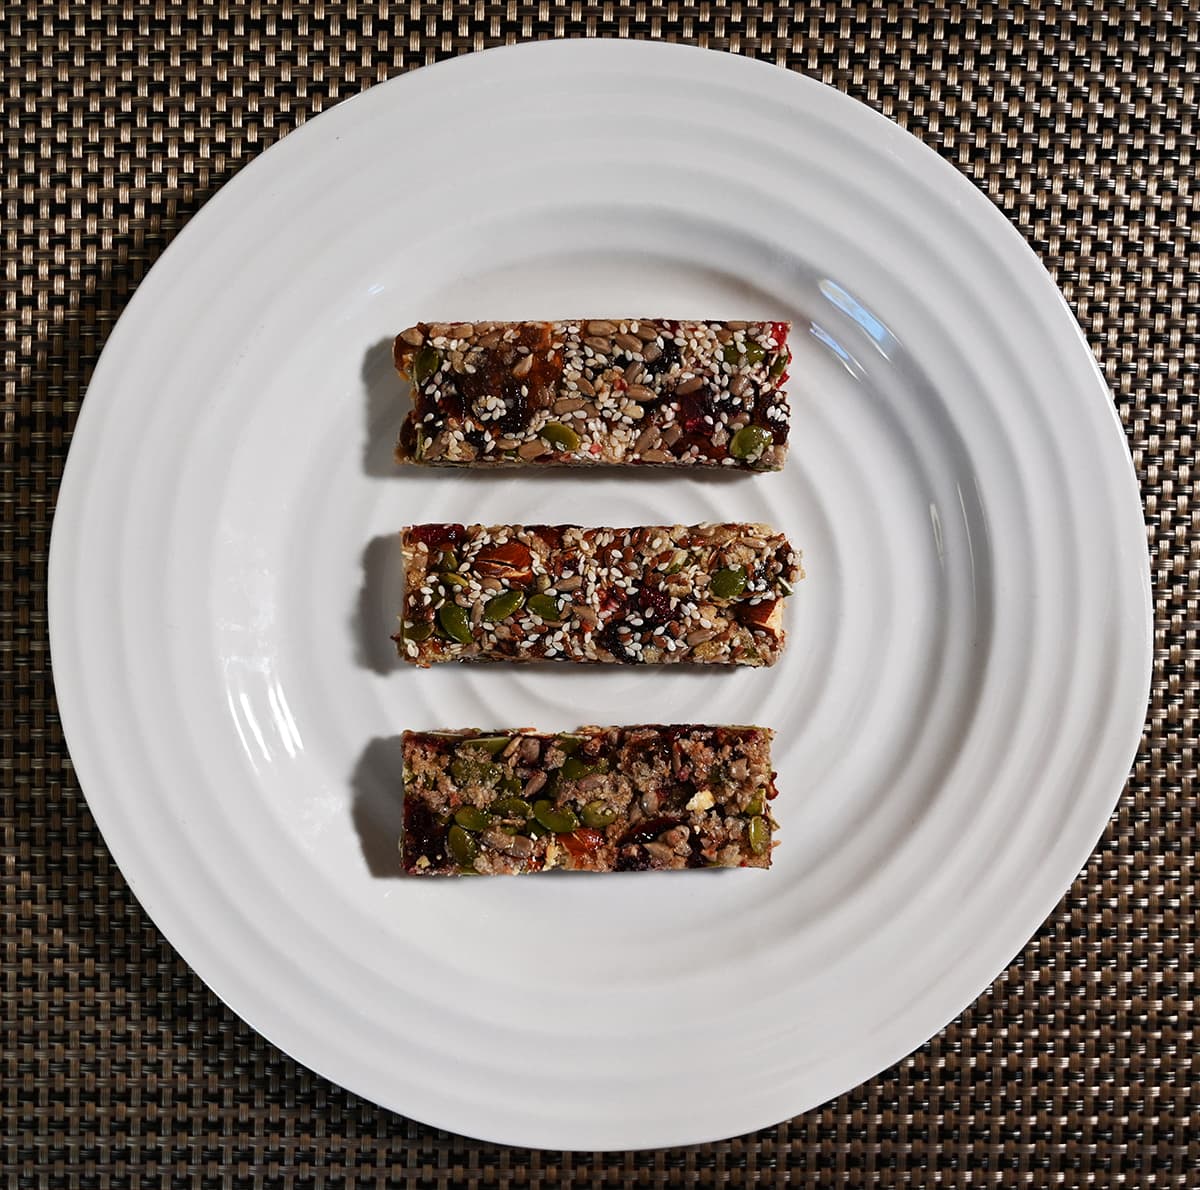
(599, 799)
(645, 391)
(708, 593)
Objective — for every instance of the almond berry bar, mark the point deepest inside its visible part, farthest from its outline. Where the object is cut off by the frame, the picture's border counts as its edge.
(656, 594)
(600, 799)
(651, 391)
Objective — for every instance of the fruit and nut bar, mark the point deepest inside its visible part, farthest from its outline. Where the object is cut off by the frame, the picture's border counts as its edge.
(710, 593)
(600, 799)
(612, 390)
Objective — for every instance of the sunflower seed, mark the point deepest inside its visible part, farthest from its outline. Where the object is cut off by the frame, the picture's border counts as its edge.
(534, 784)
(659, 851)
(646, 439)
(518, 846)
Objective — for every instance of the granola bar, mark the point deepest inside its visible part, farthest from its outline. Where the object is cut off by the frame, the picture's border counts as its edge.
(710, 593)
(621, 390)
(600, 799)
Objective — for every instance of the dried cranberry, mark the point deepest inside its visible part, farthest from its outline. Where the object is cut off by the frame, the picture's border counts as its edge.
(703, 443)
(582, 842)
(693, 409)
(655, 603)
(613, 643)
(423, 835)
(552, 535)
(669, 358)
(632, 859)
(651, 828)
(436, 535)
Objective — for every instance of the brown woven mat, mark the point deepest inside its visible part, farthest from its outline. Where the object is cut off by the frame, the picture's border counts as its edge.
(120, 1069)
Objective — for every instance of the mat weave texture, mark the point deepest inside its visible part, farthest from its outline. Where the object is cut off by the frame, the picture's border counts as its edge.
(1079, 1066)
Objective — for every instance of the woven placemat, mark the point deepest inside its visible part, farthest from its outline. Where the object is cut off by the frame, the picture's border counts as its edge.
(119, 1068)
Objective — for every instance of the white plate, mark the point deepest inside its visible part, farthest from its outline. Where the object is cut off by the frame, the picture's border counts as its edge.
(969, 657)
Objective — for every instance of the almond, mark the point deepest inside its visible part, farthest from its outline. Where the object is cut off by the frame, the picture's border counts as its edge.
(511, 561)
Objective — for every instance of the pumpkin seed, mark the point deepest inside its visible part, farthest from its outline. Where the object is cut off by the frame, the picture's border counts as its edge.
(511, 807)
(759, 834)
(471, 818)
(573, 768)
(545, 606)
(501, 606)
(728, 583)
(425, 363)
(491, 744)
(454, 623)
(750, 441)
(559, 821)
(462, 846)
(597, 814)
(558, 434)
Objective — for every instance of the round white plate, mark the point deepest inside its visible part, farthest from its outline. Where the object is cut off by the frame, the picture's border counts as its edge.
(969, 657)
